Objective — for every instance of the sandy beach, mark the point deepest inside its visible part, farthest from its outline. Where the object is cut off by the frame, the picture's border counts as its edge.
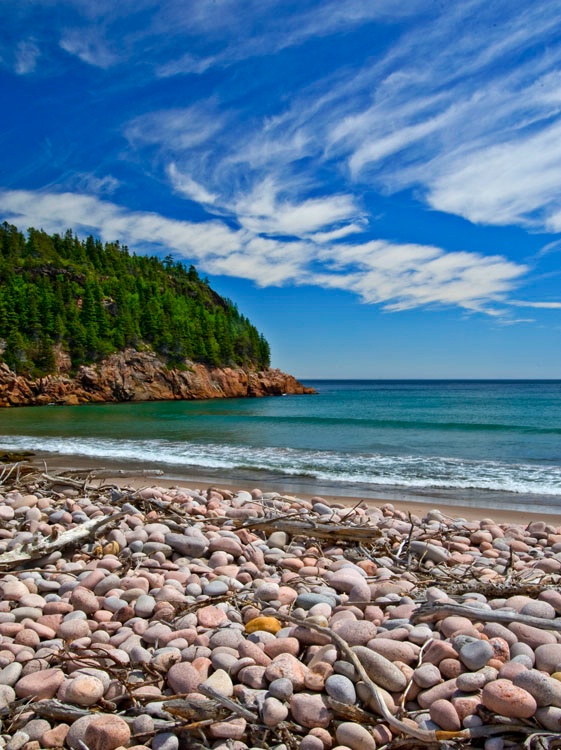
(144, 612)
(350, 496)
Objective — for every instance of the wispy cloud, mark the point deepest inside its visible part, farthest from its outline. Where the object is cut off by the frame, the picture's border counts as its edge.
(397, 277)
(177, 130)
(474, 130)
(185, 185)
(537, 305)
(263, 211)
(89, 46)
(26, 56)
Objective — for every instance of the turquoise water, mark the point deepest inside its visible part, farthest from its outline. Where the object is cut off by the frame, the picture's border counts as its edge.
(467, 441)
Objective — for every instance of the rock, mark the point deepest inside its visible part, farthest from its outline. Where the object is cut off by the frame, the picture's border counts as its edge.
(548, 657)
(542, 687)
(443, 713)
(273, 711)
(310, 710)
(165, 741)
(188, 546)
(267, 624)
(289, 667)
(537, 608)
(222, 683)
(380, 670)
(98, 732)
(550, 718)
(36, 728)
(341, 689)
(427, 675)
(183, 678)
(533, 637)
(355, 632)
(84, 690)
(11, 673)
(354, 736)
(476, 654)
(40, 685)
(228, 730)
(17, 740)
(281, 688)
(216, 588)
(84, 600)
(505, 699)
(133, 375)
(395, 650)
(55, 737)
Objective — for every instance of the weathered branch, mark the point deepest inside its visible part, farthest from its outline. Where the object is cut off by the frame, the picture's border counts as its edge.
(310, 528)
(437, 611)
(228, 703)
(23, 553)
(58, 711)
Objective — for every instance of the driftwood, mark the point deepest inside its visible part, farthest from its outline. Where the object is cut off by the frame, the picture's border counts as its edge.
(428, 612)
(25, 552)
(228, 704)
(109, 473)
(317, 529)
(216, 707)
(57, 711)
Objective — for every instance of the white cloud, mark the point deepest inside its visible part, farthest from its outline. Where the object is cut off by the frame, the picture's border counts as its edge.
(337, 234)
(177, 130)
(90, 183)
(184, 65)
(264, 212)
(537, 305)
(398, 277)
(517, 182)
(87, 45)
(26, 56)
(187, 186)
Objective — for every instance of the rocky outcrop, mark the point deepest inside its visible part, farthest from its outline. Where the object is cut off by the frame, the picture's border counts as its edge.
(142, 376)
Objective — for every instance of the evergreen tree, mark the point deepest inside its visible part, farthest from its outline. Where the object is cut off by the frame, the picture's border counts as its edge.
(90, 299)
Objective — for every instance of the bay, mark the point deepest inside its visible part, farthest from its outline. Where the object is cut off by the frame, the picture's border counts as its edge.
(479, 443)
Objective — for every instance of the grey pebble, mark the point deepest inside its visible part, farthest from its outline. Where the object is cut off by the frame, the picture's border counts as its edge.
(144, 605)
(216, 588)
(341, 689)
(308, 600)
(165, 741)
(476, 655)
(281, 688)
(11, 673)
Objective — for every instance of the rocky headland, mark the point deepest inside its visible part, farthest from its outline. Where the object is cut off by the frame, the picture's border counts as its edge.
(141, 376)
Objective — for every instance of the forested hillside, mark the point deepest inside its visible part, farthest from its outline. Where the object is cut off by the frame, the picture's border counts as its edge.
(91, 299)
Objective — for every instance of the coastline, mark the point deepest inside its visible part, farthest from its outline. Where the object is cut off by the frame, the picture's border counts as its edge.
(468, 505)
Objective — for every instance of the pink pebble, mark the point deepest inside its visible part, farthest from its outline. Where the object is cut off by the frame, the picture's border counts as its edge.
(40, 685)
(505, 699)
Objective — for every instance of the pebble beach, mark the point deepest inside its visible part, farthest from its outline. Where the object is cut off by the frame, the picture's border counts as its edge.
(174, 617)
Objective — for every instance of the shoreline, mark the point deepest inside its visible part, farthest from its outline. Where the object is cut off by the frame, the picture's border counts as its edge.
(416, 503)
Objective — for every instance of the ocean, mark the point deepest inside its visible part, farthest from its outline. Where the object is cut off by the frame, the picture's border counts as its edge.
(494, 444)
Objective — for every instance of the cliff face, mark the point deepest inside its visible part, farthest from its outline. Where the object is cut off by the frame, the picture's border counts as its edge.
(142, 376)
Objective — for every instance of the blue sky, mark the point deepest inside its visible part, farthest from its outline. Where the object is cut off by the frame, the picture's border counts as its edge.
(376, 184)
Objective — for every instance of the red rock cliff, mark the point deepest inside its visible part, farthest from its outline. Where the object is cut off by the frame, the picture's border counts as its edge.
(142, 376)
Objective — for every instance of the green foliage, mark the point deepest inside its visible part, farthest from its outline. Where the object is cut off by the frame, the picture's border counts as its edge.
(92, 299)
